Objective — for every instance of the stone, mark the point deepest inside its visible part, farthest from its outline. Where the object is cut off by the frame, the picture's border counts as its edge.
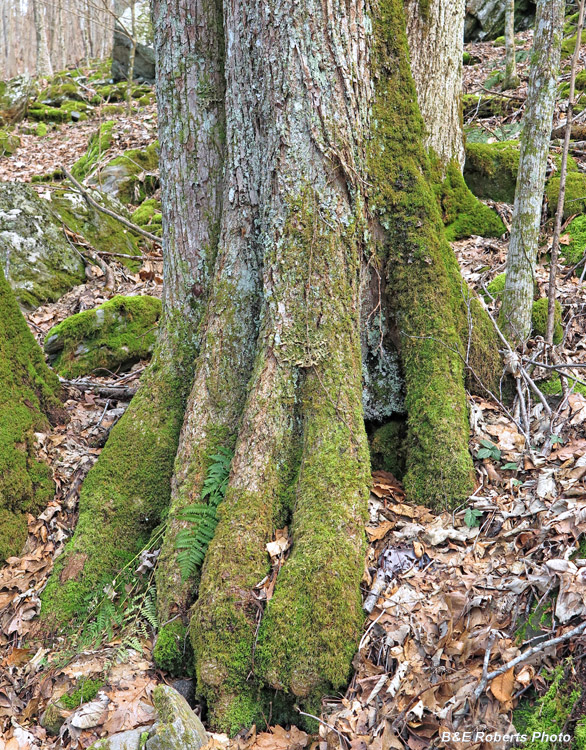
(38, 261)
(144, 60)
(178, 727)
(9, 142)
(15, 95)
(485, 19)
(129, 740)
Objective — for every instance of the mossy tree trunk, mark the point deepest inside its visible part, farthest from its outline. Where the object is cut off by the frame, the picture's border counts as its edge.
(28, 401)
(127, 492)
(435, 30)
(535, 138)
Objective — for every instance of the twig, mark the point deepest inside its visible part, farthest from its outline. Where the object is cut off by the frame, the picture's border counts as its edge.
(329, 726)
(113, 214)
(527, 655)
(485, 664)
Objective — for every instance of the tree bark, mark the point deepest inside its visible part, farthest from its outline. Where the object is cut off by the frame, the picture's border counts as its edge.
(537, 122)
(43, 65)
(511, 80)
(435, 29)
(128, 490)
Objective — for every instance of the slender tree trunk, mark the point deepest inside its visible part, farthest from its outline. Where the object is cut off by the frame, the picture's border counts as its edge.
(435, 29)
(131, 60)
(43, 64)
(61, 55)
(537, 123)
(127, 491)
(511, 78)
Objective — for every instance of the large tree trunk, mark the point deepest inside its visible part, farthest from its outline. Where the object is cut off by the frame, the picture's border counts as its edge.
(435, 29)
(43, 65)
(126, 494)
(535, 138)
(28, 399)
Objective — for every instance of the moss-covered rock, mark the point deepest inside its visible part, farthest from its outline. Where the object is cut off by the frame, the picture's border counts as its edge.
(463, 214)
(68, 111)
(132, 177)
(388, 448)
(149, 216)
(539, 319)
(38, 261)
(575, 251)
(15, 96)
(86, 691)
(491, 170)
(98, 144)
(113, 336)
(177, 727)
(173, 651)
(9, 142)
(575, 196)
(496, 287)
(552, 386)
(28, 393)
(487, 105)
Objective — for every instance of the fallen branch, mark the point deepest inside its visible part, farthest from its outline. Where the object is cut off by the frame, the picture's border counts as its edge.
(120, 392)
(527, 655)
(108, 212)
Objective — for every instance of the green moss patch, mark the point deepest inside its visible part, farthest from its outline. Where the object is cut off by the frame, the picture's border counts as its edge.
(388, 448)
(98, 144)
(131, 177)
(539, 319)
(574, 252)
(552, 387)
(149, 216)
(575, 196)
(86, 692)
(113, 336)
(173, 651)
(496, 287)
(9, 142)
(66, 112)
(491, 170)
(487, 105)
(463, 214)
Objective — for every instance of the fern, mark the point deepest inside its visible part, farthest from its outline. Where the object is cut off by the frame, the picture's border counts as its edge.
(202, 516)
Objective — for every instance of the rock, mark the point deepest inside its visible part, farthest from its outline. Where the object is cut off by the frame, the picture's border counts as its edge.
(177, 728)
(14, 98)
(131, 177)
(485, 19)
(491, 170)
(112, 336)
(144, 61)
(185, 688)
(129, 740)
(52, 718)
(8, 143)
(38, 261)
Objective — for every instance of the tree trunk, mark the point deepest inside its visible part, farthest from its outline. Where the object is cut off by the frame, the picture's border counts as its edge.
(435, 29)
(127, 491)
(511, 78)
(28, 399)
(43, 66)
(60, 36)
(537, 122)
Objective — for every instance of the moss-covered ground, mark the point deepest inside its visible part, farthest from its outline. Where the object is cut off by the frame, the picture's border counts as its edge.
(491, 169)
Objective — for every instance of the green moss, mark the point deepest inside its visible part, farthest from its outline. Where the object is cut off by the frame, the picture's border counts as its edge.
(568, 45)
(27, 393)
(98, 144)
(463, 214)
(9, 142)
(41, 129)
(486, 105)
(499, 41)
(173, 652)
(136, 173)
(496, 287)
(575, 195)
(85, 693)
(66, 112)
(491, 170)
(387, 448)
(425, 285)
(118, 332)
(149, 216)
(552, 387)
(551, 711)
(575, 251)
(539, 319)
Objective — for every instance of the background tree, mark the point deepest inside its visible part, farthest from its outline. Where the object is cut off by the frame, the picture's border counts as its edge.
(43, 66)
(535, 138)
(511, 80)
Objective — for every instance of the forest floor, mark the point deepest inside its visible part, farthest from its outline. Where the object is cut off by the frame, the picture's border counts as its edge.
(456, 594)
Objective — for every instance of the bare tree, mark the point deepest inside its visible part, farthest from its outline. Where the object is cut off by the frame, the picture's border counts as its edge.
(511, 80)
(43, 66)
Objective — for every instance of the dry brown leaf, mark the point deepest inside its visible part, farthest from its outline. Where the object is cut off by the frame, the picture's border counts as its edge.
(502, 686)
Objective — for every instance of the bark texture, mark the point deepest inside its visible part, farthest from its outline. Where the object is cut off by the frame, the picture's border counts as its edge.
(511, 80)
(435, 29)
(127, 492)
(537, 123)
(43, 65)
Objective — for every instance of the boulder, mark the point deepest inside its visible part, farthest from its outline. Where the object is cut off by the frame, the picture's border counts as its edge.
(131, 177)
(132, 739)
(38, 261)
(113, 336)
(9, 142)
(177, 727)
(144, 60)
(485, 19)
(14, 98)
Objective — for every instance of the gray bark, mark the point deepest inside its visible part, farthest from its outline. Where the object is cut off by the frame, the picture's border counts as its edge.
(436, 42)
(537, 123)
(511, 78)
(43, 65)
